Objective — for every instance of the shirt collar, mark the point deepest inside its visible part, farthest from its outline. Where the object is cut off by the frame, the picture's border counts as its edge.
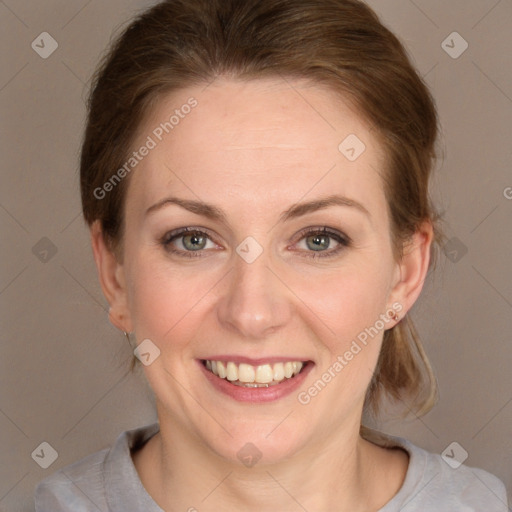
(123, 488)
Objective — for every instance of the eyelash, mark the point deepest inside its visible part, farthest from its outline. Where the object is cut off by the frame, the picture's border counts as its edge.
(343, 240)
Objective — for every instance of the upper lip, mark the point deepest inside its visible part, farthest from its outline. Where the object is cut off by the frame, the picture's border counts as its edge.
(255, 362)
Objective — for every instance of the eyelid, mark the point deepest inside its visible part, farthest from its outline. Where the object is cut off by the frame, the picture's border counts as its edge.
(323, 230)
(169, 235)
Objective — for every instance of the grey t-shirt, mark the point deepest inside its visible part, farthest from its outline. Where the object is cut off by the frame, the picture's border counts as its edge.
(108, 481)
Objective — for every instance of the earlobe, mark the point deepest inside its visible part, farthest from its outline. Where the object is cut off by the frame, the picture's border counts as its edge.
(413, 267)
(111, 277)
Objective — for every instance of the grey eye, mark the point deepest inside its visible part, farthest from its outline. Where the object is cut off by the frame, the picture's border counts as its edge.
(194, 241)
(318, 242)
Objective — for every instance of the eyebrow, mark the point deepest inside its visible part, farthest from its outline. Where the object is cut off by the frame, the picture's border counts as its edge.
(297, 210)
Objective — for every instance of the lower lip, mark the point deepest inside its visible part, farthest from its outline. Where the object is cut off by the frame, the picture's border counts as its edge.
(257, 395)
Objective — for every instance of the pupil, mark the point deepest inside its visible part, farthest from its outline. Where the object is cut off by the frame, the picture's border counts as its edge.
(317, 240)
(195, 239)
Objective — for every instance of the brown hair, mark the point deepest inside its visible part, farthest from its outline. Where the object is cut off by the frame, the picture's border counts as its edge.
(338, 43)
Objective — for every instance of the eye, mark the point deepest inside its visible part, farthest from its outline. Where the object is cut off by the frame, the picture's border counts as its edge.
(318, 240)
(190, 242)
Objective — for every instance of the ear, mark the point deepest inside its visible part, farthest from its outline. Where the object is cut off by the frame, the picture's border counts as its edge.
(112, 279)
(413, 267)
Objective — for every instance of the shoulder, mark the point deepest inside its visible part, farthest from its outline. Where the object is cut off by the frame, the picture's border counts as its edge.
(434, 482)
(448, 481)
(99, 482)
(77, 487)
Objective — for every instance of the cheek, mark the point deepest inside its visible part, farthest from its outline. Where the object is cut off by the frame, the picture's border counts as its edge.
(349, 301)
(351, 306)
(165, 301)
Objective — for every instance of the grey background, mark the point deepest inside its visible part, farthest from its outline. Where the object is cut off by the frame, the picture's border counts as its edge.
(63, 365)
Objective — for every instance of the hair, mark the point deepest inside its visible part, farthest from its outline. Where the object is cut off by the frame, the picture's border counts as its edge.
(337, 43)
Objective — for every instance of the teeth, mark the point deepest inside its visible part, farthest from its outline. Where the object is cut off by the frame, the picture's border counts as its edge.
(264, 374)
(250, 376)
(231, 371)
(246, 373)
(221, 370)
(279, 371)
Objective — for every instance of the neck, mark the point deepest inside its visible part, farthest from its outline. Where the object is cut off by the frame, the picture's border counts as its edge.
(343, 473)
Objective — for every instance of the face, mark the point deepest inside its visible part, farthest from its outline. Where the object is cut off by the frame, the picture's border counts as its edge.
(259, 281)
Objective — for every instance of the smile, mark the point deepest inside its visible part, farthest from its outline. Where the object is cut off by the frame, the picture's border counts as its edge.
(247, 375)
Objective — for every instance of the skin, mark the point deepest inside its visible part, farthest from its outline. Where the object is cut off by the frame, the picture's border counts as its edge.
(254, 149)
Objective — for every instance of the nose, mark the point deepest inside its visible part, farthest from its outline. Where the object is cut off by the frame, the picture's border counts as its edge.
(255, 303)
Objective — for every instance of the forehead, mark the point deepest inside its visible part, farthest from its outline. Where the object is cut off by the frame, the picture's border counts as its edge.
(261, 142)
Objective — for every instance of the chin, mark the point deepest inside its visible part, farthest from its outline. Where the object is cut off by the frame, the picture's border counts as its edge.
(250, 447)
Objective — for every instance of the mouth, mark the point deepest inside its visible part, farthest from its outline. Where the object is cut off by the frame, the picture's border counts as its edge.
(256, 376)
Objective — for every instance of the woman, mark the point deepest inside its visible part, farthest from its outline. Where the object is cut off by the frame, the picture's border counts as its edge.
(255, 177)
